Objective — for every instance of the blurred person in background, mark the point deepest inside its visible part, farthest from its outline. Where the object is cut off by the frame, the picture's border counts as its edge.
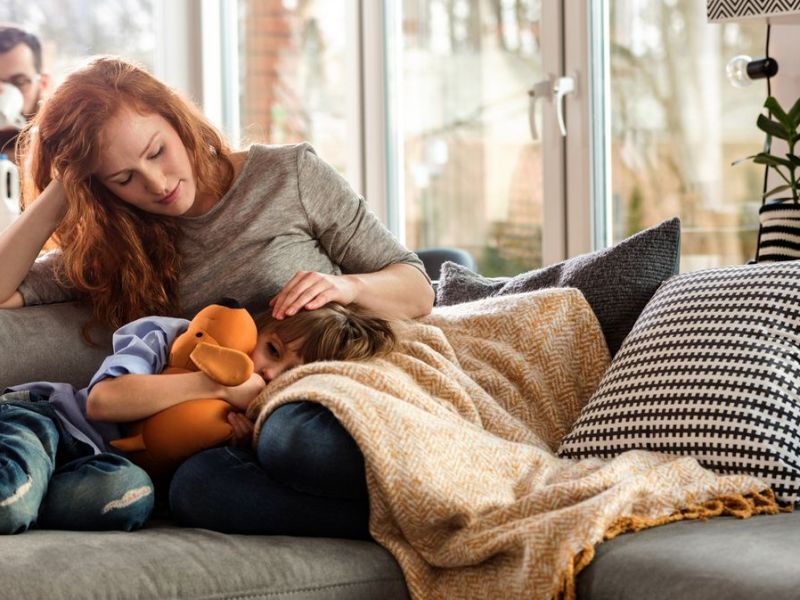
(21, 67)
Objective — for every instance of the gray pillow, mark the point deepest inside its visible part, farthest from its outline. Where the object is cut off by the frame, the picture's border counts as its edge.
(617, 281)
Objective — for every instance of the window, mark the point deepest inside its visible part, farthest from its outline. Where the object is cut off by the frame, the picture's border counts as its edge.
(677, 125)
(471, 176)
(294, 75)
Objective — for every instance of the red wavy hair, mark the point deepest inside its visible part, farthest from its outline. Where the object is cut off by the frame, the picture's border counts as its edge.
(125, 261)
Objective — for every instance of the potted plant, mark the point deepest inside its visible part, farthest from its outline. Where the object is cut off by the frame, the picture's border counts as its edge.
(779, 233)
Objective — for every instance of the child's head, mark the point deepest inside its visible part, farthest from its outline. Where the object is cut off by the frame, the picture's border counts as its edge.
(333, 332)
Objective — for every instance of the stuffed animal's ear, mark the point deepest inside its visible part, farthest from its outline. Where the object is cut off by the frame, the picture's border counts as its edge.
(224, 365)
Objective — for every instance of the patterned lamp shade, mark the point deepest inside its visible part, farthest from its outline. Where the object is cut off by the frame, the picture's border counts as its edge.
(731, 10)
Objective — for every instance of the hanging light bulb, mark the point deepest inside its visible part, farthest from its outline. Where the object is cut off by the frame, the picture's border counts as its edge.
(742, 69)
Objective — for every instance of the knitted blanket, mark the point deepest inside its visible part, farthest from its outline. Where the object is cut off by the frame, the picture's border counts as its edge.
(458, 430)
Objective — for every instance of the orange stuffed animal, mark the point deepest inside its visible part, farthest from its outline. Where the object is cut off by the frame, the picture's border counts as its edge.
(218, 342)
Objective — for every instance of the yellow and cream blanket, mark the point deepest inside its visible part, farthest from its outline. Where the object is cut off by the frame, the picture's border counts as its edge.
(458, 430)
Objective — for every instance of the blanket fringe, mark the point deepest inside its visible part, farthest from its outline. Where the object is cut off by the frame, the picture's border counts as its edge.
(736, 505)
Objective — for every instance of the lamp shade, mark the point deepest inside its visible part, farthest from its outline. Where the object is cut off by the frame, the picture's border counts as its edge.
(732, 10)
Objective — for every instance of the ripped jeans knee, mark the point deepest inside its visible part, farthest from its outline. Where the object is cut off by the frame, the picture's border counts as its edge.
(100, 492)
(25, 468)
(50, 480)
(19, 501)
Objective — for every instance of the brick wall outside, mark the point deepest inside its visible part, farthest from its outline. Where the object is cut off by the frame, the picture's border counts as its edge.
(271, 105)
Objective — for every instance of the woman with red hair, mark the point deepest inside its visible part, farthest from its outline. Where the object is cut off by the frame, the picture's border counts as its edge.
(148, 211)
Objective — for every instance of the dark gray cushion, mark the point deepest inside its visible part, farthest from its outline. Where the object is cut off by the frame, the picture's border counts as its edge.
(43, 343)
(617, 282)
(164, 561)
(719, 559)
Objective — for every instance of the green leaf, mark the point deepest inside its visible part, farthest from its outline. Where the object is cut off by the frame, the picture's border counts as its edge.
(777, 111)
(794, 114)
(775, 190)
(741, 160)
(772, 161)
(794, 159)
(773, 128)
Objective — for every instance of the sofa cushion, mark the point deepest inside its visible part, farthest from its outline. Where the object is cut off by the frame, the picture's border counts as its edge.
(44, 343)
(617, 282)
(164, 561)
(710, 370)
(719, 559)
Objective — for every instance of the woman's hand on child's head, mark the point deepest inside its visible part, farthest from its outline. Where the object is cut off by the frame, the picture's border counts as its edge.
(310, 290)
(242, 395)
(241, 429)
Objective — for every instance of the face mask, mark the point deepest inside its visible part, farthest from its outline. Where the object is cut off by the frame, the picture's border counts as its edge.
(11, 103)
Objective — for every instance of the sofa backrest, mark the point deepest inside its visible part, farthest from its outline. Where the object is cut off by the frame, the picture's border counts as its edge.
(44, 343)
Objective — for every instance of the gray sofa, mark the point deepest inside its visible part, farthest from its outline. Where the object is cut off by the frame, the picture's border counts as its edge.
(720, 558)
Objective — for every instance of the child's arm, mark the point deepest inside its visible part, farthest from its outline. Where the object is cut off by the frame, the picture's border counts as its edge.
(129, 384)
(133, 397)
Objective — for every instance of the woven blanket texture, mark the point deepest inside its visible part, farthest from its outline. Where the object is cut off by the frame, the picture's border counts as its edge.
(458, 429)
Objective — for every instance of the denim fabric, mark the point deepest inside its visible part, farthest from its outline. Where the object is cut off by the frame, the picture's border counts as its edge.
(49, 478)
(306, 479)
(303, 445)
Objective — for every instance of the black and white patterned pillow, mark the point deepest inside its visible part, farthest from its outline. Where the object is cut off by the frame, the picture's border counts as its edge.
(711, 369)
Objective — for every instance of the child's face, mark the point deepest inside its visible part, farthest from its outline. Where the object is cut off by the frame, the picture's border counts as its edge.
(272, 356)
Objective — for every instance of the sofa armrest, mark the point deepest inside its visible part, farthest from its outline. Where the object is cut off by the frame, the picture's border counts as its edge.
(44, 343)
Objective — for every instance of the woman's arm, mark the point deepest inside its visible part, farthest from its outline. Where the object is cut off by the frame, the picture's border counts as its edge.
(15, 301)
(22, 241)
(399, 291)
(132, 397)
(381, 274)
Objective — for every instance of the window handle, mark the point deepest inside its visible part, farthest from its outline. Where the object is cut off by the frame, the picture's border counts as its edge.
(563, 86)
(554, 89)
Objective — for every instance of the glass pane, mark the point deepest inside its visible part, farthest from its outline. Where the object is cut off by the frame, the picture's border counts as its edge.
(293, 75)
(678, 124)
(472, 175)
(72, 30)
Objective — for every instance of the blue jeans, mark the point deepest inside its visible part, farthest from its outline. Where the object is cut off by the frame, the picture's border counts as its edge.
(51, 480)
(305, 478)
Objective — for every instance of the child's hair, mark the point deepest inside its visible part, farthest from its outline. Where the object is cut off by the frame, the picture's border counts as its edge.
(333, 332)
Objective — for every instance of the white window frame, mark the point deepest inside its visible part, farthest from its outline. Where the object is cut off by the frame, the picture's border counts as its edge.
(194, 40)
(553, 145)
(379, 118)
(220, 74)
(178, 46)
(582, 142)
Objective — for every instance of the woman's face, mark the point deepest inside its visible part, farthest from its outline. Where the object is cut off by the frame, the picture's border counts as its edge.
(144, 163)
